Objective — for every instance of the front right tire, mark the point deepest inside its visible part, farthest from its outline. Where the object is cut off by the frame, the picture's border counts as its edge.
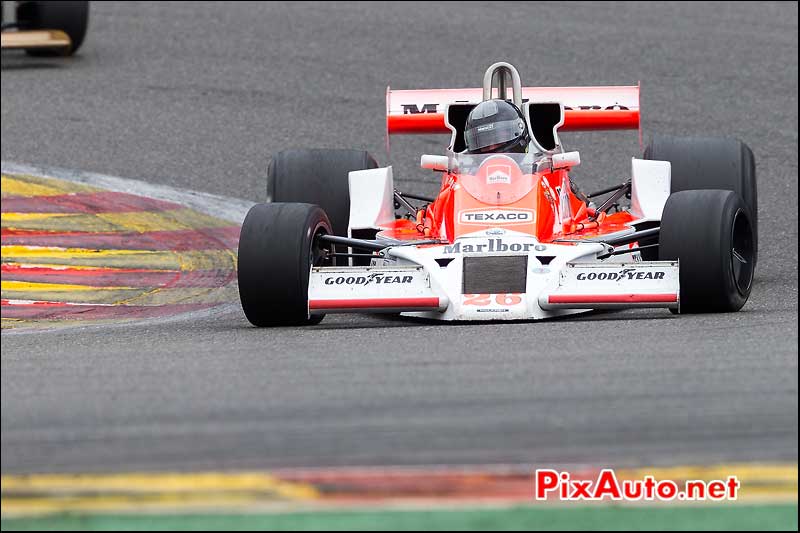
(277, 247)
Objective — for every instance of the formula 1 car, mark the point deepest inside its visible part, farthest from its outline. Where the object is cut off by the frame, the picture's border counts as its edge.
(44, 28)
(509, 236)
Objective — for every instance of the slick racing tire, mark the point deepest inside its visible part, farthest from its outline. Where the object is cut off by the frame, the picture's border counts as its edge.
(710, 163)
(70, 17)
(710, 233)
(319, 177)
(277, 248)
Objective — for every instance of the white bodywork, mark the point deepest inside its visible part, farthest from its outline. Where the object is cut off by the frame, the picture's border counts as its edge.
(650, 187)
(566, 160)
(371, 199)
(409, 279)
(563, 278)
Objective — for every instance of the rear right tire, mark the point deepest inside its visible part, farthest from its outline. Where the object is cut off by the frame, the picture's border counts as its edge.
(317, 176)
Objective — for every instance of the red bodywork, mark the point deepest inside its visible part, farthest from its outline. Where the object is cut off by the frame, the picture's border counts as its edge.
(585, 108)
(535, 198)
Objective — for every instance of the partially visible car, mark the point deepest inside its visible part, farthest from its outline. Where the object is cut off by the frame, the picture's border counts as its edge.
(44, 28)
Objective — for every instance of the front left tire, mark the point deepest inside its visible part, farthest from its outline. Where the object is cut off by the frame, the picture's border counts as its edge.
(710, 232)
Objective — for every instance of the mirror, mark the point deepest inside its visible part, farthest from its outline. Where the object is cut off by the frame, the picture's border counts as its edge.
(439, 163)
(566, 160)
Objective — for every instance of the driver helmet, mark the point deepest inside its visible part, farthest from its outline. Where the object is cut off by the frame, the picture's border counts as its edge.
(496, 126)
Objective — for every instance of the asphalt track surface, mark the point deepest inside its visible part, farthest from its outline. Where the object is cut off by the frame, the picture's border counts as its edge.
(198, 97)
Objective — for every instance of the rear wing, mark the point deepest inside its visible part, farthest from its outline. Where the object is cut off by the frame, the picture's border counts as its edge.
(585, 108)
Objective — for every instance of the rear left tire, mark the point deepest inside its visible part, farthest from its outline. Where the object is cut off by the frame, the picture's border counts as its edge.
(702, 163)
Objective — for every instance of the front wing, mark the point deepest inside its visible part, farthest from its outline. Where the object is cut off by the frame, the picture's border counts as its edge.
(431, 283)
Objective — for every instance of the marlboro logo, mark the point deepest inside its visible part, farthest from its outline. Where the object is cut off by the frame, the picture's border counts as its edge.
(488, 246)
(498, 174)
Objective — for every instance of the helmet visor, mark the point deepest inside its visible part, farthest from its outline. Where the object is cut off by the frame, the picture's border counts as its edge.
(493, 133)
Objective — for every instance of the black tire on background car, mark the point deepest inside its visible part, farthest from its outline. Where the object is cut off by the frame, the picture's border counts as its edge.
(70, 17)
(317, 176)
(710, 163)
(710, 232)
(277, 248)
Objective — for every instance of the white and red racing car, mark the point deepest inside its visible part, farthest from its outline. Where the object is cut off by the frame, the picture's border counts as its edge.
(509, 236)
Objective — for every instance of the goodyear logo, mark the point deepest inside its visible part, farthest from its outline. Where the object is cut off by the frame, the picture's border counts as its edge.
(621, 275)
(371, 279)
